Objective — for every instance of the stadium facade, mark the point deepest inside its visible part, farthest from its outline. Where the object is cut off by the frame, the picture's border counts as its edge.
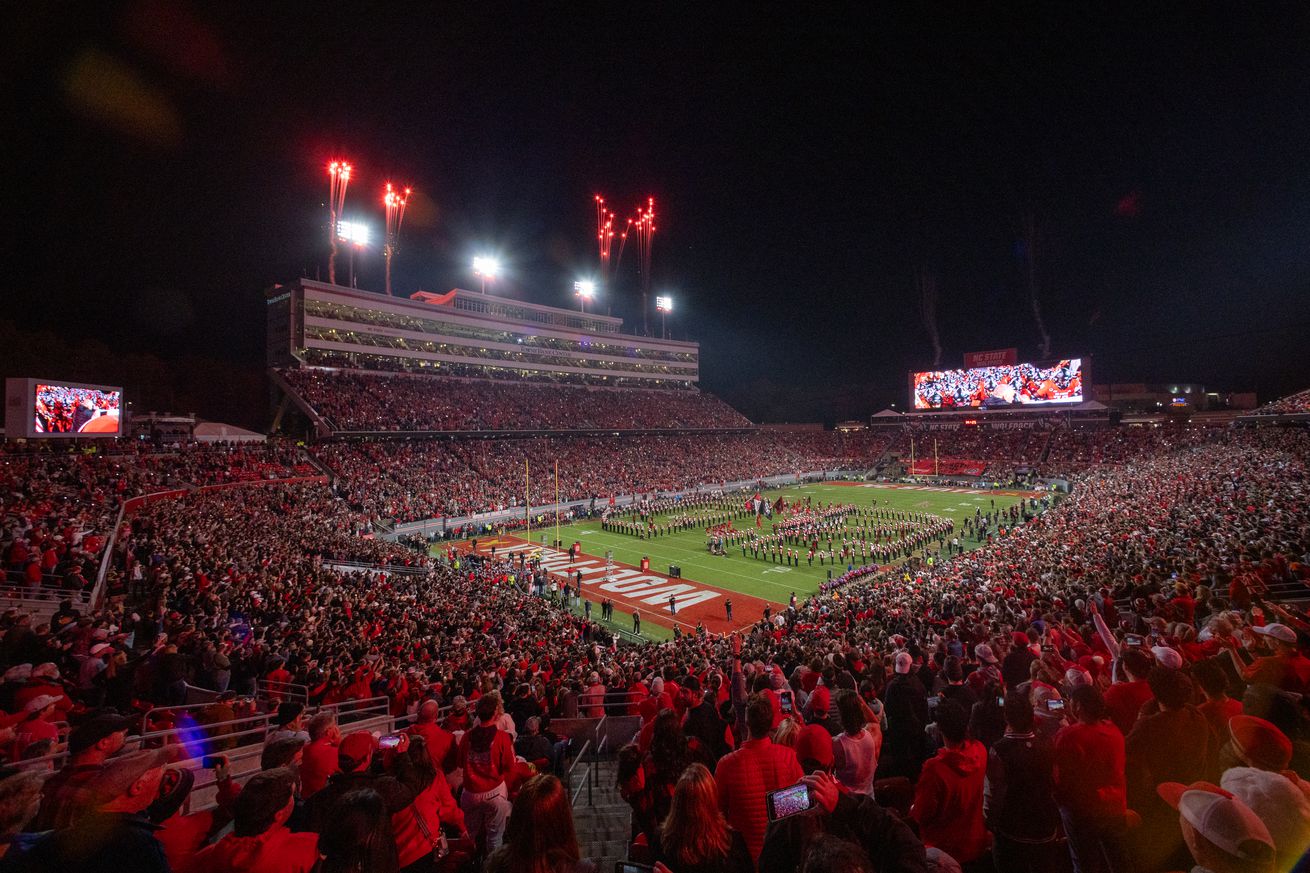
(466, 334)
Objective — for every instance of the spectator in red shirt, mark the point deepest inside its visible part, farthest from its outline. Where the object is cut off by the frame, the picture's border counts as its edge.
(320, 756)
(260, 841)
(486, 754)
(1124, 700)
(36, 725)
(1286, 669)
(746, 775)
(1218, 707)
(948, 801)
(440, 742)
(1171, 745)
(1090, 786)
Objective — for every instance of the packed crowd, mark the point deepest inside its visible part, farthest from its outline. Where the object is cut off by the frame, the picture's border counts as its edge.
(1073, 451)
(57, 506)
(372, 402)
(1289, 405)
(1068, 696)
(417, 479)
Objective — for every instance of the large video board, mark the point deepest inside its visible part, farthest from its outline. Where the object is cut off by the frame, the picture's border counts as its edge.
(1005, 385)
(37, 408)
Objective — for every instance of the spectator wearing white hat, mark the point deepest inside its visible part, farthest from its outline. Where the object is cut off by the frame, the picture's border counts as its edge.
(1221, 832)
(1280, 804)
(93, 666)
(906, 706)
(36, 725)
(1286, 669)
(43, 682)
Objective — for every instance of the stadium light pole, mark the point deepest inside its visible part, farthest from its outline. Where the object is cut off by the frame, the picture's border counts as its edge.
(665, 306)
(355, 233)
(487, 268)
(585, 289)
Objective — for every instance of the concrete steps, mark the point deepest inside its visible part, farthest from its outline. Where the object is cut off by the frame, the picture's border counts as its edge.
(604, 827)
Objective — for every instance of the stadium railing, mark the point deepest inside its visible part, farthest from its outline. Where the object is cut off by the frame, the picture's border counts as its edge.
(269, 691)
(98, 591)
(586, 776)
(42, 601)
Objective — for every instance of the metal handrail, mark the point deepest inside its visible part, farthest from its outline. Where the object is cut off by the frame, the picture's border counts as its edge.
(578, 758)
(269, 688)
(43, 592)
(585, 783)
(98, 590)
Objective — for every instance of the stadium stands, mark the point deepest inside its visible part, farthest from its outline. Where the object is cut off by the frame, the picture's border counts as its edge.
(277, 592)
(1292, 404)
(354, 401)
(412, 480)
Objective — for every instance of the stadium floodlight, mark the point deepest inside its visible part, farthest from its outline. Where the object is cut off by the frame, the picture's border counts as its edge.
(664, 305)
(487, 268)
(355, 233)
(585, 289)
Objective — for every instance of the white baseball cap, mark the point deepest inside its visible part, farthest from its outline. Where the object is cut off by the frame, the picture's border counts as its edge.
(1280, 632)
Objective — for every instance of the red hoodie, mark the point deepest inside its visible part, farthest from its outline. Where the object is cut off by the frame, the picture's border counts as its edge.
(276, 850)
(948, 802)
(487, 756)
(1089, 770)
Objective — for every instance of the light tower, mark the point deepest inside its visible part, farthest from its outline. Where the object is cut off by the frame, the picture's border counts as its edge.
(356, 234)
(585, 289)
(338, 179)
(487, 268)
(395, 203)
(665, 306)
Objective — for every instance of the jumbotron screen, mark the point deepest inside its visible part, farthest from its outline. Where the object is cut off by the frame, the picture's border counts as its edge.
(1006, 385)
(76, 410)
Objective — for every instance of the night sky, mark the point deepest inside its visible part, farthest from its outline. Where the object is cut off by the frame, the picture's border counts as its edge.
(170, 165)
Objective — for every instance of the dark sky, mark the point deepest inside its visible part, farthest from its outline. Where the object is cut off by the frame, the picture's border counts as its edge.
(170, 165)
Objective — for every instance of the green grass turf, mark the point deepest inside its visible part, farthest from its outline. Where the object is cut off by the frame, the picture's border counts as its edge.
(761, 578)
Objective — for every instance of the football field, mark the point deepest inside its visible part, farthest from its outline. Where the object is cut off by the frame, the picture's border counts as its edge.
(754, 582)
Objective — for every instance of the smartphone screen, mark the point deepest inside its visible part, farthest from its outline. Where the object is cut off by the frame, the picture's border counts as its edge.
(632, 867)
(1054, 705)
(784, 701)
(789, 801)
(389, 741)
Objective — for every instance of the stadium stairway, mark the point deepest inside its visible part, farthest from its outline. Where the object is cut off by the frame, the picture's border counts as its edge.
(604, 825)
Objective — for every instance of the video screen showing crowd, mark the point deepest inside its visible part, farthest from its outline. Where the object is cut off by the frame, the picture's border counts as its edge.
(1005, 385)
(66, 409)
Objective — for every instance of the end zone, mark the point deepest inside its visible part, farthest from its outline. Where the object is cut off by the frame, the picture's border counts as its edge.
(632, 589)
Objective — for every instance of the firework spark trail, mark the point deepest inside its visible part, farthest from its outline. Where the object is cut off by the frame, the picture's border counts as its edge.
(1030, 246)
(338, 179)
(645, 238)
(395, 202)
(604, 236)
(927, 284)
